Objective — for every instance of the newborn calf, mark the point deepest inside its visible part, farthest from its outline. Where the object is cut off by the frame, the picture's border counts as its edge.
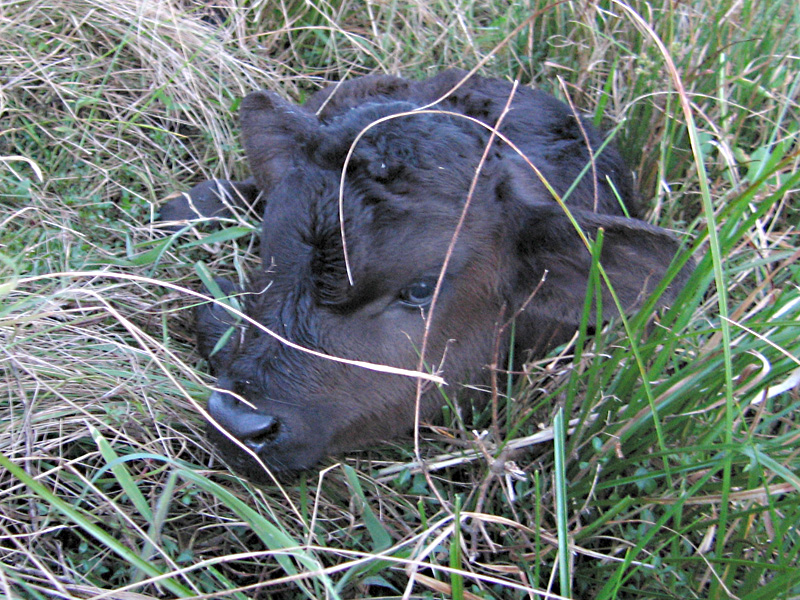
(409, 176)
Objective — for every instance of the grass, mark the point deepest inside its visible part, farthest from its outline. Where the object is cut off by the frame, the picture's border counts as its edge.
(679, 460)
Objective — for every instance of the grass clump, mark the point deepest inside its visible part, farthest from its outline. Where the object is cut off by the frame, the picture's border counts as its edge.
(681, 476)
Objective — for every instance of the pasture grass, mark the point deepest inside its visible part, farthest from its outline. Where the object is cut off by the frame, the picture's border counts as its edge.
(675, 470)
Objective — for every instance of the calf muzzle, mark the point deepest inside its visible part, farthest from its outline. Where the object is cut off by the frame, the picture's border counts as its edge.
(253, 428)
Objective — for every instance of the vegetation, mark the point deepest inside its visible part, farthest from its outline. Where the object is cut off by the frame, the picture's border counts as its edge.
(677, 474)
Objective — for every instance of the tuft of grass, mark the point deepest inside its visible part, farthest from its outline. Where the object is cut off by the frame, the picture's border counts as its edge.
(681, 476)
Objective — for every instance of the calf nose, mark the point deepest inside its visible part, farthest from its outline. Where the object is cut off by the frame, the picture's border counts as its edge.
(252, 427)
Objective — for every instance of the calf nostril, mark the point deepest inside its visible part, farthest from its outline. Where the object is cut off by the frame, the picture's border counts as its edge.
(251, 426)
(266, 435)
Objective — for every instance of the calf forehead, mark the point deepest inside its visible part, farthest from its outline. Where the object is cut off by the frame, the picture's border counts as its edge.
(306, 290)
(417, 210)
(391, 238)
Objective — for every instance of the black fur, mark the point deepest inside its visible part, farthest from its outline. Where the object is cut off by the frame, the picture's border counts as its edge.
(406, 186)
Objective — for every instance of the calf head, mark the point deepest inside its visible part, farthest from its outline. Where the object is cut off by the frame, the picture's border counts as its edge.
(408, 178)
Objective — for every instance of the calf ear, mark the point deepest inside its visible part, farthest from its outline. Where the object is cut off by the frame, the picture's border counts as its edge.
(635, 256)
(274, 134)
(208, 200)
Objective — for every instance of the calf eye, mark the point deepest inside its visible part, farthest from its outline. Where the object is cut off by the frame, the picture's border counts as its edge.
(418, 293)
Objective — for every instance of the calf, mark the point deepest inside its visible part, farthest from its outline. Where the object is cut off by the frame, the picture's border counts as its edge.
(408, 176)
